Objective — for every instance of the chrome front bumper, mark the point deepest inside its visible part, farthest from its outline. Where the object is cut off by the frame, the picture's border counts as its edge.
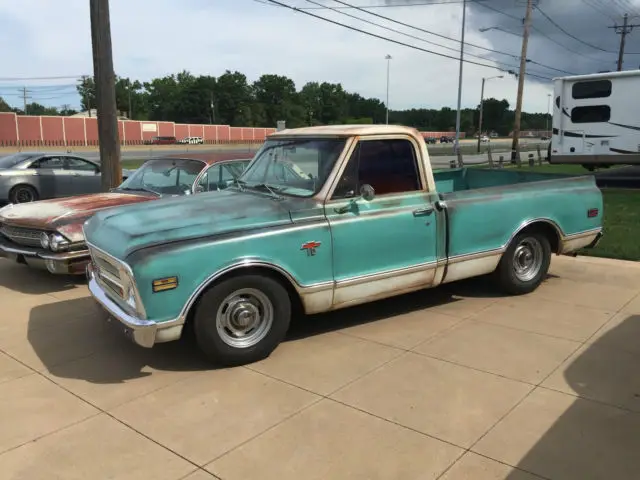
(145, 333)
(55, 262)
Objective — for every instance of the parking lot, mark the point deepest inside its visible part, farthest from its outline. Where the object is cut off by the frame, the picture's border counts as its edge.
(453, 383)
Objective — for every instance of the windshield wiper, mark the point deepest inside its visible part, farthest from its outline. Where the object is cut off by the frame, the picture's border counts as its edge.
(270, 188)
(139, 189)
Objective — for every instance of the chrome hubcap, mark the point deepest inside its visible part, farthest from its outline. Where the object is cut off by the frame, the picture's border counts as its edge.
(244, 318)
(527, 259)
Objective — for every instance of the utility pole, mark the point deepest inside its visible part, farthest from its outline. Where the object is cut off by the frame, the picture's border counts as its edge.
(388, 59)
(25, 97)
(456, 145)
(548, 132)
(105, 94)
(213, 111)
(482, 107)
(515, 148)
(130, 107)
(623, 31)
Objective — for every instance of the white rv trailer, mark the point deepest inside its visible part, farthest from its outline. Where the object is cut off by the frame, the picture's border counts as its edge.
(596, 119)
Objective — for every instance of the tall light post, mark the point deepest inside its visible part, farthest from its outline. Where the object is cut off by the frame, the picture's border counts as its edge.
(388, 59)
(482, 105)
(464, 18)
(548, 113)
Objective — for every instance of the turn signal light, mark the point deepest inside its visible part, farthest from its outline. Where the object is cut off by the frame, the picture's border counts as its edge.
(162, 284)
(592, 212)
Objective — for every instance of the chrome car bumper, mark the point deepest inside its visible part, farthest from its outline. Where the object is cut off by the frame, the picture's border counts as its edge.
(56, 262)
(145, 333)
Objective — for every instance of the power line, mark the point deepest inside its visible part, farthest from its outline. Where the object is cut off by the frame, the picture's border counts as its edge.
(422, 39)
(570, 34)
(452, 39)
(537, 30)
(596, 7)
(21, 79)
(397, 42)
(393, 5)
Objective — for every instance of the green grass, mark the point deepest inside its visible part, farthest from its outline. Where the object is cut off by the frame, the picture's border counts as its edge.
(621, 226)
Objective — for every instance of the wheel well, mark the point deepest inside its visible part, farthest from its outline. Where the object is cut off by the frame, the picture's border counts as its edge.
(296, 301)
(548, 230)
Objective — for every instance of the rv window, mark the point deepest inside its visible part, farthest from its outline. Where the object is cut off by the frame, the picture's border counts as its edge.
(593, 114)
(594, 89)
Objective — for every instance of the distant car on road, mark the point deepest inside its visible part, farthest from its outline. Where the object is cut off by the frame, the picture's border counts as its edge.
(161, 141)
(484, 139)
(430, 140)
(445, 139)
(30, 176)
(48, 234)
(192, 141)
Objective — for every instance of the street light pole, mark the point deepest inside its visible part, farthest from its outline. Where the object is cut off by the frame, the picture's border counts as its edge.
(388, 59)
(548, 133)
(482, 107)
(464, 19)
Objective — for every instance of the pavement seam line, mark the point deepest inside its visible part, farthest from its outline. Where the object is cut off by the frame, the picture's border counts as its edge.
(41, 374)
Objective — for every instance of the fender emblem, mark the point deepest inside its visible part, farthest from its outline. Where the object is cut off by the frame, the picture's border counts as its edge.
(310, 247)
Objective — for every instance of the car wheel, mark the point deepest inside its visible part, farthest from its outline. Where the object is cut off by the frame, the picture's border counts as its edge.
(242, 319)
(23, 194)
(524, 264)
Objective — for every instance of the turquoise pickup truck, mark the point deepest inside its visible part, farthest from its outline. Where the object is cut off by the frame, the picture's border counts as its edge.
(325, 218)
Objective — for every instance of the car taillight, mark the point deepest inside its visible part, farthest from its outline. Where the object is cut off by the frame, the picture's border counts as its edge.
(592, 212)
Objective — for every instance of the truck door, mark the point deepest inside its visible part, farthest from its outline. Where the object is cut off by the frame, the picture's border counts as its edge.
(388, 242)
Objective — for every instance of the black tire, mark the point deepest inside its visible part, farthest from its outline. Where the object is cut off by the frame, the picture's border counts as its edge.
(510, 274)
(213, 337)
(23, 194)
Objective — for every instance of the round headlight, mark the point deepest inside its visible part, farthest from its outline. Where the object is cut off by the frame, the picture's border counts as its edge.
(44, 241)
(57, 242)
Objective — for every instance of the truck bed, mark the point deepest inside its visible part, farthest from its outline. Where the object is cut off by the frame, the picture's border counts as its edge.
(485, 207)
(455, 180)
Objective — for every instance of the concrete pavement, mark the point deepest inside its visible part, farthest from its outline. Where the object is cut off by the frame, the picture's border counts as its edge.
(454, 383)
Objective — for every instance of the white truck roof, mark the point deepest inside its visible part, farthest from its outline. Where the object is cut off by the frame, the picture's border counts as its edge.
(346, 131)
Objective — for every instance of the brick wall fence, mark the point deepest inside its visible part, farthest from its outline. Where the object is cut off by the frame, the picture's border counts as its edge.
(26, 130)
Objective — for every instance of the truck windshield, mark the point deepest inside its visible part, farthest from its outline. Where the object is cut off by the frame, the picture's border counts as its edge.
(165, 176)
(296, 167)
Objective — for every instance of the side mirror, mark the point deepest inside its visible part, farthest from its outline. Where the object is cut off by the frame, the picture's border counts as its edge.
(367, 192)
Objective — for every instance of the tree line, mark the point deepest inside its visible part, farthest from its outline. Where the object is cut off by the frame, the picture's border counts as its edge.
(231, 99)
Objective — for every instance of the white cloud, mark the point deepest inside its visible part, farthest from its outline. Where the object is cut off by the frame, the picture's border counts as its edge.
(157, 37)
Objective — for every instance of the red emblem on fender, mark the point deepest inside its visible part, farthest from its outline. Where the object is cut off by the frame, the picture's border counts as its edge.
(310, 247)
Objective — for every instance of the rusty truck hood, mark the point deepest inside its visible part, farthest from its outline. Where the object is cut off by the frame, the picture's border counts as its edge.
(123, 231)
(67, 215)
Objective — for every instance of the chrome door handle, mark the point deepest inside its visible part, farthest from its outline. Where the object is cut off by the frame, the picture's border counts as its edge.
(423, 211)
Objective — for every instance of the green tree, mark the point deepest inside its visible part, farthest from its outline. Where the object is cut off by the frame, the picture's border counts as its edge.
(38, 109)
(234, 99)
(4, 106)
(277, 99)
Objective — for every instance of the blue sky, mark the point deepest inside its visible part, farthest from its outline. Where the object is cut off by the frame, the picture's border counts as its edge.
(153, 38)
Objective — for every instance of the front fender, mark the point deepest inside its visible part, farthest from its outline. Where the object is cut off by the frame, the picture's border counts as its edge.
(197, 263)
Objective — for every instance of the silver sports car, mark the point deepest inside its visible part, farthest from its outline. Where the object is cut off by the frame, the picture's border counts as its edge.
(30, 176)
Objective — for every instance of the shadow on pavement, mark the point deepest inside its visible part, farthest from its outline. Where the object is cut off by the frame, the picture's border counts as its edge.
(32, 281)
(593, 438)
(72, 338)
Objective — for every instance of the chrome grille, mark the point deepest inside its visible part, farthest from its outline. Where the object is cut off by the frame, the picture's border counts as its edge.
(22, 236)
(108, 274)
